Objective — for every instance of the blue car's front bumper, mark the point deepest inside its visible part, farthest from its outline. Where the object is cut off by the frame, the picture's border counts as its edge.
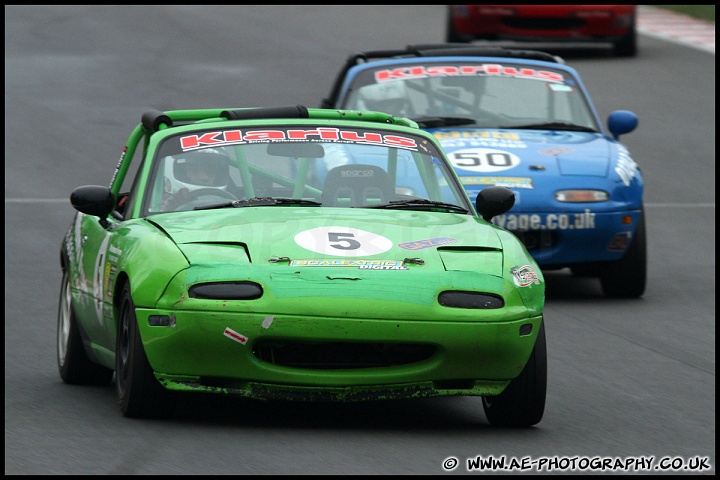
(564, 239)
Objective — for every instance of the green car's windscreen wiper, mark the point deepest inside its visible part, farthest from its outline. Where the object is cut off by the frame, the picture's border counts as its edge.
(418, 204)
(261, 202)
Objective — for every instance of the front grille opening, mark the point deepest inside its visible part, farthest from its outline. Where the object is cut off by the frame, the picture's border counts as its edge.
(454, 384)
(341, 355)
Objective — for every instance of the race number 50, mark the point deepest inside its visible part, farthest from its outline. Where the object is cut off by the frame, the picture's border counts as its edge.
(483, 159)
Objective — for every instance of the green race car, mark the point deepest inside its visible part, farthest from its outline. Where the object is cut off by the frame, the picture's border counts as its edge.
(219, 261)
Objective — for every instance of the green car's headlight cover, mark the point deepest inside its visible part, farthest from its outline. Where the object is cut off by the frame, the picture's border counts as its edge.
(244, 290)
(461, 299)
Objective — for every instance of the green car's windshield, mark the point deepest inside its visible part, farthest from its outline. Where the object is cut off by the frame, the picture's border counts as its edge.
(473, 94)
(362, 168)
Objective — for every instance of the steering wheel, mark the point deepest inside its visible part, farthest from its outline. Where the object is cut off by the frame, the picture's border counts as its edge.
(190, 200)
(214, 192)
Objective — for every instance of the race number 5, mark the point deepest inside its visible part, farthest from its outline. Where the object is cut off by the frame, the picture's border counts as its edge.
(342, 241)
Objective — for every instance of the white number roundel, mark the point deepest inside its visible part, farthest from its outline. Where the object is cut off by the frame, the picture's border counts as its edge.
(342, 241)
(483, 159)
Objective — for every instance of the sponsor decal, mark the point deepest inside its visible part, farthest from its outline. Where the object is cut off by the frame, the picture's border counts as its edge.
(620, 242)
(110, 273)
(524, 276)
(552, 221)
(474, 138)
(75, 253)
(233, 335)
(113, 253)
(343, 241)
(427, 243)
(100, 276)
(357, 173)
(510, 182)
(556, 151)
(319, 134)
(626, 167)
(474, 135)
(487, 69)
(356, 263)
(119, 164)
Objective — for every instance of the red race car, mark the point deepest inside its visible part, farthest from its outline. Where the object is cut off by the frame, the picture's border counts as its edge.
(614, 24)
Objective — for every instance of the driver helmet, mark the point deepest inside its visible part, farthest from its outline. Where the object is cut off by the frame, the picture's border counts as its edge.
(207, 168)
(389, 97)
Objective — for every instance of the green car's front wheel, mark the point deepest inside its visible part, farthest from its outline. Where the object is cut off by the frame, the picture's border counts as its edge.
(522, 403)
(139, 394)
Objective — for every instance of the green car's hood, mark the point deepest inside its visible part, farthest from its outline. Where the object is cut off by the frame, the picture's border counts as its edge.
(374, 261)
(442, 241)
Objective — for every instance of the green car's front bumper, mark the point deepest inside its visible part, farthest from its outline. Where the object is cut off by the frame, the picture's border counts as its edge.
(308, 358)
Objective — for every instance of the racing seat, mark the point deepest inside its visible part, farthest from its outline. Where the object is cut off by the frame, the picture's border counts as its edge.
(355, 185)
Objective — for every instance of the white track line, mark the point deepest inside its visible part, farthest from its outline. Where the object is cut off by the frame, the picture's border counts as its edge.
(674, 27)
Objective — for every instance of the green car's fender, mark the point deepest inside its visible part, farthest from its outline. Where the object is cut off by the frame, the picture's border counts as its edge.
(145, 256)
(519, 268)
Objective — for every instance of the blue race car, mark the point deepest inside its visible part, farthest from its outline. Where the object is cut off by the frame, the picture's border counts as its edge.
(521, 119)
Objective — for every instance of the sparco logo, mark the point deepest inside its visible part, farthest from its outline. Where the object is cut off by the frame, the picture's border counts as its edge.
(357, 173)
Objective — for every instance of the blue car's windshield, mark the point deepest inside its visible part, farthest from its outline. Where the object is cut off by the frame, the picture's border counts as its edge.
(480, 94)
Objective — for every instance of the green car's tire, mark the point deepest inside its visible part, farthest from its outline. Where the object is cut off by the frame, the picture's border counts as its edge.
(626, 278)
(138, 392)
(74, 365)
(522, 403)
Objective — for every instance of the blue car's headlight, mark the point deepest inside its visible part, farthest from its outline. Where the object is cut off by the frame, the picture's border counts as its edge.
(579, 196)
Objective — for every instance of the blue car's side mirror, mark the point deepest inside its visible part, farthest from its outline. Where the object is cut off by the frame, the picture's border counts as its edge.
(621, 122)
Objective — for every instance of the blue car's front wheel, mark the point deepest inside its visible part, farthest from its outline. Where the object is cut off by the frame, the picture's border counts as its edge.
(626, 278)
